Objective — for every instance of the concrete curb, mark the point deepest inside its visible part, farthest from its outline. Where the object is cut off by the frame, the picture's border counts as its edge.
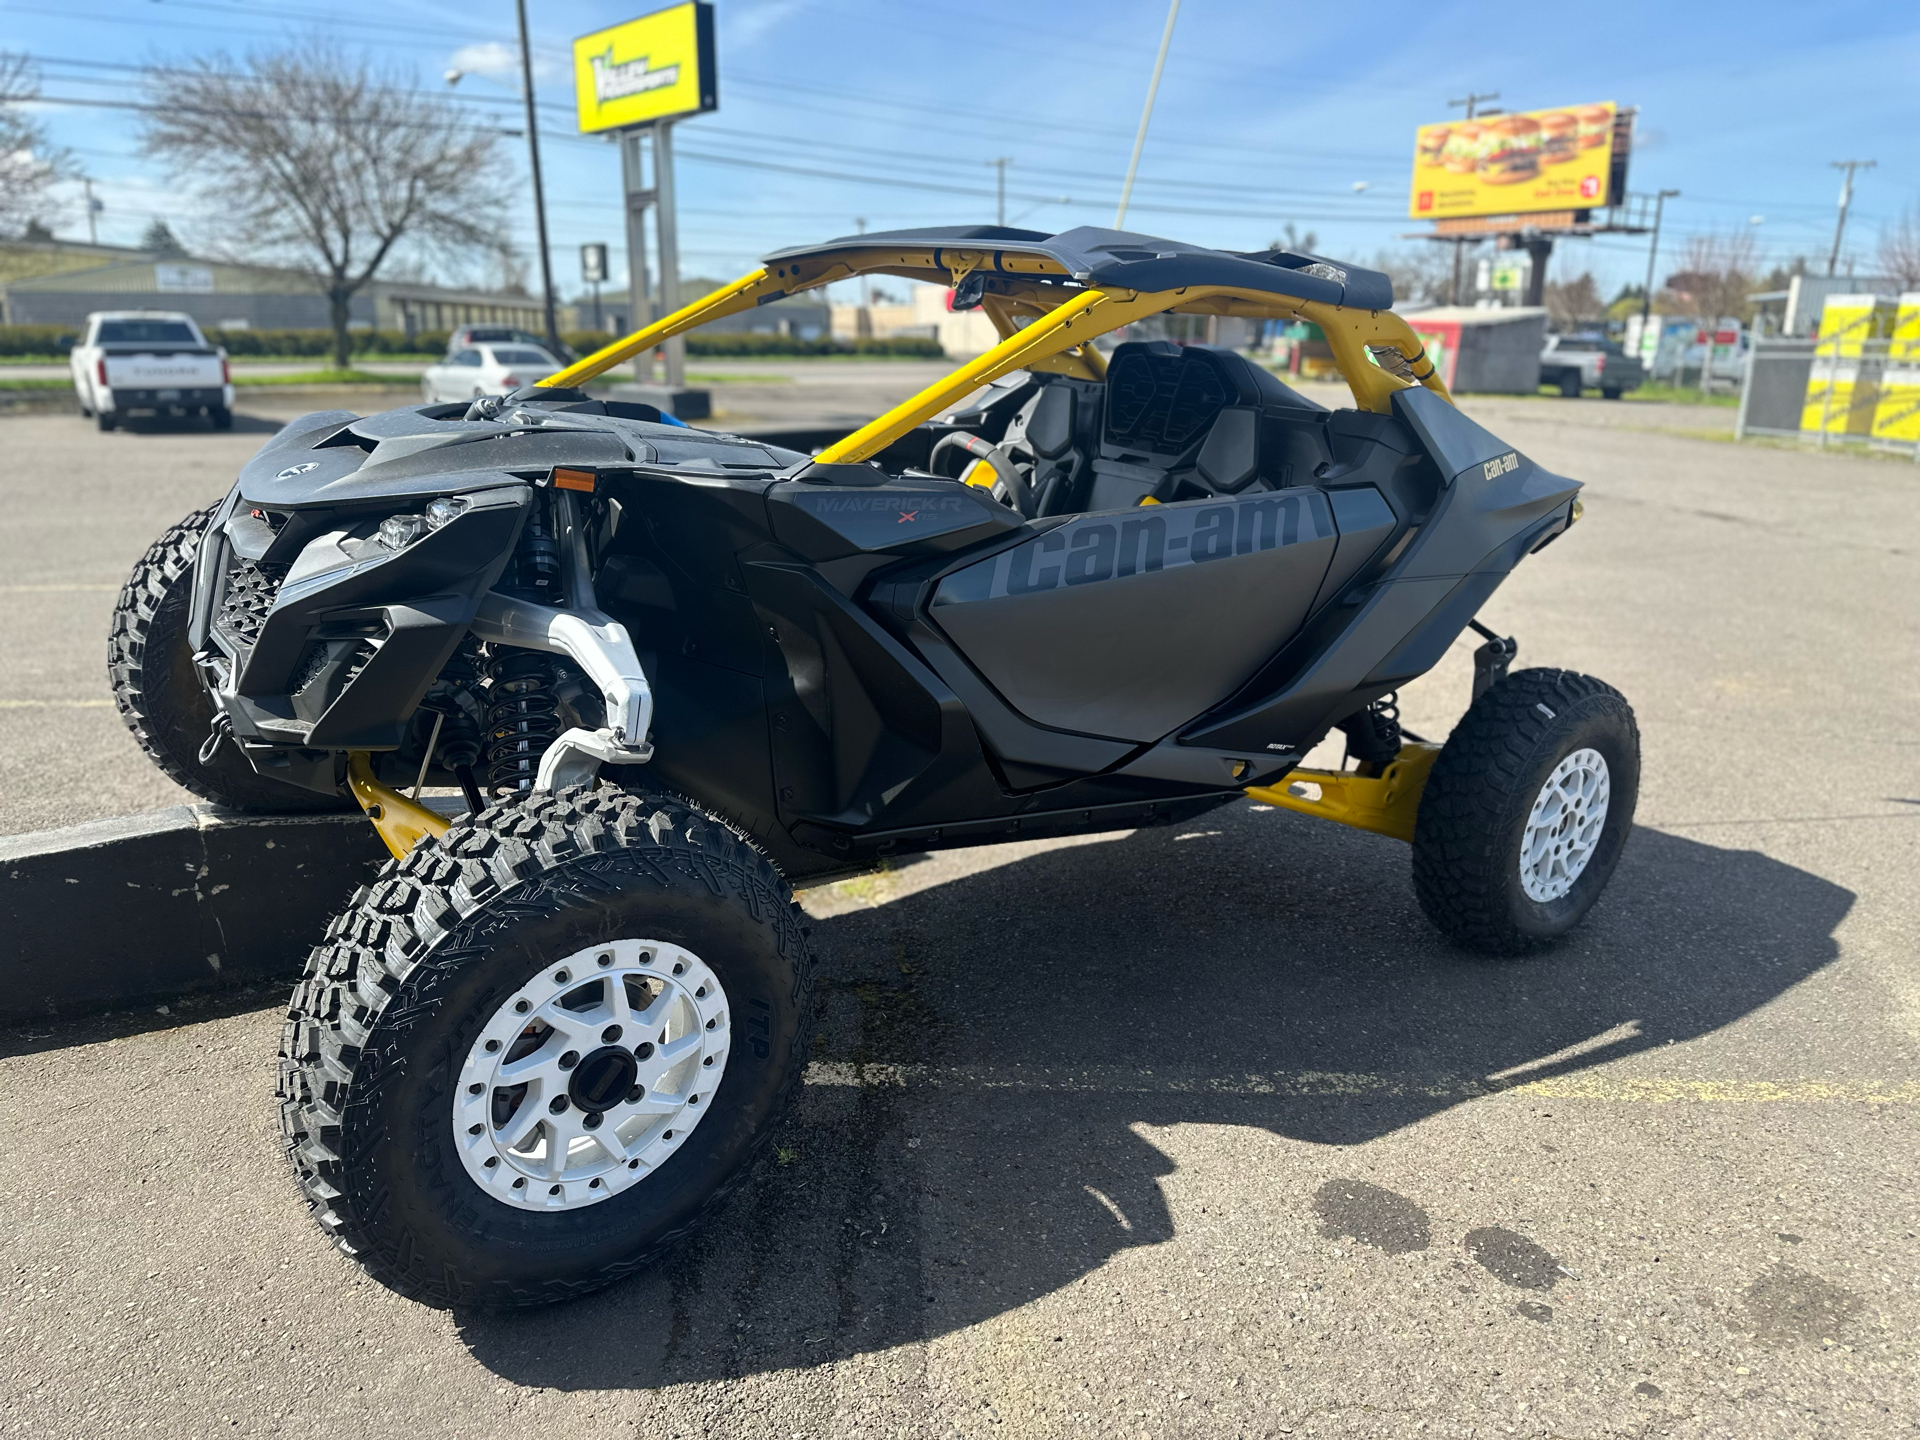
(153, 906)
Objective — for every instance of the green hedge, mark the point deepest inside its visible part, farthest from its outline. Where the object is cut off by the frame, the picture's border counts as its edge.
(35, 339)
(58, 339)
(585, 342)
(739, 344)
(320, 342)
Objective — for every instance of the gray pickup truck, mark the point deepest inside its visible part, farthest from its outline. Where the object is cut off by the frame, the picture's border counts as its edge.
(1589, 362)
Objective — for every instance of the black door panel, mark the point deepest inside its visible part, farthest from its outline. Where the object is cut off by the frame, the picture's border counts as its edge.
(1130, 623)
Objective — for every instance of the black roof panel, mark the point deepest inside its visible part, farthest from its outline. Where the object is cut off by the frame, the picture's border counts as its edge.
(1125, 259)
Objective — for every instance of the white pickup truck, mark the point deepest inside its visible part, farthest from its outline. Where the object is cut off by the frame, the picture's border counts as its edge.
(149, 360)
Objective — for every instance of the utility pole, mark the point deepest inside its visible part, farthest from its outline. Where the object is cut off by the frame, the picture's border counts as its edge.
(539, 199)
(94, 207)
(863, 318)
(1472, 102)
(1000, 163)
(1846, 199)
(1140, 139)
(1653, 249)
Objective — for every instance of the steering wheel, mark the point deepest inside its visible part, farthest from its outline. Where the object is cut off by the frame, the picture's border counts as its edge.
(1018, 494)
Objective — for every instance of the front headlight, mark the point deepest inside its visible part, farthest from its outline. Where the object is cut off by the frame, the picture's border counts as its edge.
(444, 510)
(399, 531)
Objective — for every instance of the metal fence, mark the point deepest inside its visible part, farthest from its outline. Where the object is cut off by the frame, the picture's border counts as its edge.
(1833, 392)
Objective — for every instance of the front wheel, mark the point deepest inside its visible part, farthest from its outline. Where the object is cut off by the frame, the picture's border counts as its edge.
(1526, 810)
(538, 1052)
(159, 692)
(1611, 392)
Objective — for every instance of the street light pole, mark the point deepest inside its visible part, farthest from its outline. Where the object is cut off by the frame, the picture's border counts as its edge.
(1140, 139)
(539, 197)
(1846, 199)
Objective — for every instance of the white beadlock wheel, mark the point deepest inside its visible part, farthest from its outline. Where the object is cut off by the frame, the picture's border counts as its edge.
(591, 1075)
(1564, 826)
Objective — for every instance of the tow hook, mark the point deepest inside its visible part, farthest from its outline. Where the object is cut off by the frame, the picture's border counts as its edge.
(1491, 660)
(221, 728)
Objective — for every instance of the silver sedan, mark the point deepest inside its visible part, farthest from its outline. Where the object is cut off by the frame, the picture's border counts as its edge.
(478, 370)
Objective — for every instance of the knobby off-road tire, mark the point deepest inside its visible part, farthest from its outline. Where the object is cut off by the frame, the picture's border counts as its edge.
(1510, 849)
(159, 693)
(383, 1034)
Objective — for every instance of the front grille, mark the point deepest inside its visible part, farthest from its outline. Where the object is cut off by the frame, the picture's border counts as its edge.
(246, 598)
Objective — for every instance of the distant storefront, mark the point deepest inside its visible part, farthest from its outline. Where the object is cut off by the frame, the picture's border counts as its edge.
(246, 297)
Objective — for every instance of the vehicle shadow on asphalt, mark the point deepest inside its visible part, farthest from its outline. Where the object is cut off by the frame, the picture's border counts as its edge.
(198, 425)
(989, 1045)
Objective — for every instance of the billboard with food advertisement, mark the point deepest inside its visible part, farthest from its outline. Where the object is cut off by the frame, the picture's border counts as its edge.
(1514, 164)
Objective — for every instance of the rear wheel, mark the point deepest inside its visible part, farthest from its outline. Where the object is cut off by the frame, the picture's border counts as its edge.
(221, 417)
(1570, 384)
(159, 693)
(538, 1052)
(1526, 810)
(1611, 392)
(105, 420)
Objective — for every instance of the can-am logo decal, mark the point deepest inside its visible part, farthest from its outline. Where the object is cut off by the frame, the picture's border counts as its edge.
(629, 77)
(1500, 465)
(1161, 537)
(293, 470)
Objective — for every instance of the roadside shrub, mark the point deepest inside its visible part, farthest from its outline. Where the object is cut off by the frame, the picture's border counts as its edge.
(36, 339)
(57, 340)
(726, 343)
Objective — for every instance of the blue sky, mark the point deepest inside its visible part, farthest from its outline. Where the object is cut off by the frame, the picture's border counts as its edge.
(1267, 113)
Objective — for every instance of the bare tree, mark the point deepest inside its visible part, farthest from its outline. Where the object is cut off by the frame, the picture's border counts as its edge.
(1422, 275)
(1575, 302)
(312, 155)
(1899, 252)
(29, 166)
(1714, 280)
(1298, 241)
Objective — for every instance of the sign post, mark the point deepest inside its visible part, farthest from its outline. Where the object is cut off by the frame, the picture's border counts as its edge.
(635, 80)
(593, 272)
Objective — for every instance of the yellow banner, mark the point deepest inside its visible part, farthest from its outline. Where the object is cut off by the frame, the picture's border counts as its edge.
(653, 68)
(1514, 164)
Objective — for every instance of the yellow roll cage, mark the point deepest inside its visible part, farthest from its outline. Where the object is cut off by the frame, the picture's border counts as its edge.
(1046, 321)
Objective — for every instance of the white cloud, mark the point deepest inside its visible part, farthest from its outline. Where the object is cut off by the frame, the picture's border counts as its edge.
(489, 58)
(501, 62)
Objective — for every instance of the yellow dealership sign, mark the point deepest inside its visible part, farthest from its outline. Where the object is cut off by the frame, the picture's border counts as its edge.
(653, 68)
(1514, 164)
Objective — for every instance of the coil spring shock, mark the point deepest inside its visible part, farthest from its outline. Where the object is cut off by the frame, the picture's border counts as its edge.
(523, 717)
(1374, 735)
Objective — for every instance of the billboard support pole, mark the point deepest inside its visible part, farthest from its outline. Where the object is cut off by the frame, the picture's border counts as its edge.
(638, 200)
(1538, 248)
(669, 229)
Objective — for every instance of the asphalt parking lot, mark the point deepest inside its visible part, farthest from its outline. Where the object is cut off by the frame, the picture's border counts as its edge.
(1193, 1132)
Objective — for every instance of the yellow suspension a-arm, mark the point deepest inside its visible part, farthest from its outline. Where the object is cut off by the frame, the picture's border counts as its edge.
(1385, 804)
(402, 823)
